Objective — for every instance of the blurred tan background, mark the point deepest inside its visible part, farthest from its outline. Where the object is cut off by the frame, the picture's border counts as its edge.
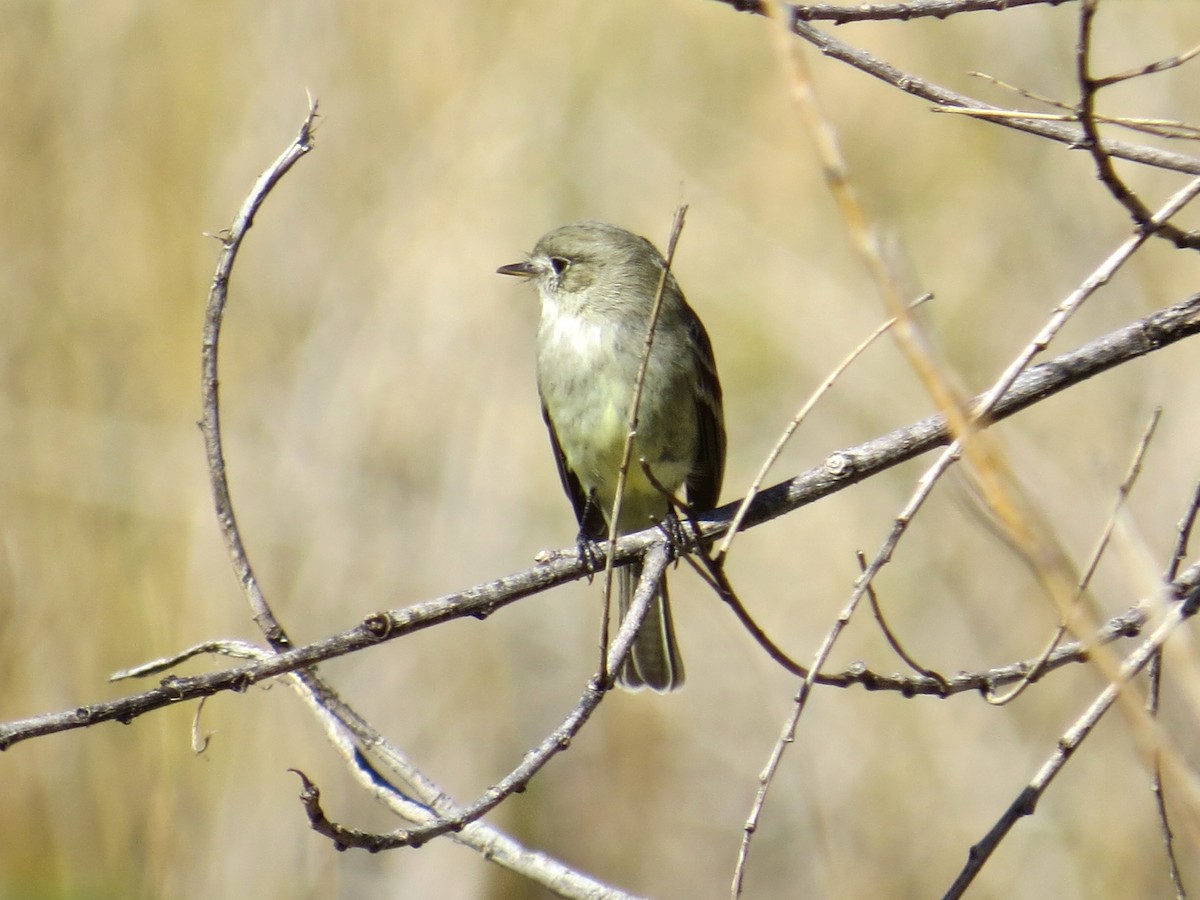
(385, 444)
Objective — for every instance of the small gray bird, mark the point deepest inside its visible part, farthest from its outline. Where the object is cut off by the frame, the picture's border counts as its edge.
(597, 285)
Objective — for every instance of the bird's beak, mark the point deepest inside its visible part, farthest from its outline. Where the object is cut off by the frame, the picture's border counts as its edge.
(522, 269)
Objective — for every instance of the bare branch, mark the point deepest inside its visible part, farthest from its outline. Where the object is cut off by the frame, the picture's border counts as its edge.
(1155, 672)
(1135, 468)
(558, 740)
(176, 689)
(1052, 569)
(1166, 128)
(1088, 87)
(1162, 65)
(1027, 800)
(210, 423)
(890, 636)
(639, 382)
(1064, 133)
(365, 752)
(840, 470)
(800, 416)
(881, 12)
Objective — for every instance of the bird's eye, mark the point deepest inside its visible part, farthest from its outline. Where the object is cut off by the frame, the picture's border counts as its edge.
(559, 265)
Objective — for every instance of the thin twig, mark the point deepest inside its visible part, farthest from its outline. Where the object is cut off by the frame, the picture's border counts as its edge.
(1056, 574)
(882, 12)
(718, 579)
(233, 649)
(210, 423)
(890, 636)
(999, 492)
(984, 409)
(632, 425)
(1105, 170)
(1153, 68)
(1069, 135)
(370, 759)
(925, 486)
(1155, 672)
(559, 739)
(1168, 128)
(1135, 468)
(1183, 533)
(1067, 744)
(865, 239)
(1165, 128)
(800, 416)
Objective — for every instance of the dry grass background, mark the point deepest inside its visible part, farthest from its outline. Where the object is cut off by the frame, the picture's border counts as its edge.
(385, 444)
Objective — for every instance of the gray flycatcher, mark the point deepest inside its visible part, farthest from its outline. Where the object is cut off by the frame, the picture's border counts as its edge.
(598, 285)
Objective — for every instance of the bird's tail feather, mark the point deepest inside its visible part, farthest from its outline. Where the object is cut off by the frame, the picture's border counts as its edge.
(654, 661)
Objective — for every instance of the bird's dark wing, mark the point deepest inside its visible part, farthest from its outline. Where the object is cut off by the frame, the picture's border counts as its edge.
(589, 516)
(708, 468)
